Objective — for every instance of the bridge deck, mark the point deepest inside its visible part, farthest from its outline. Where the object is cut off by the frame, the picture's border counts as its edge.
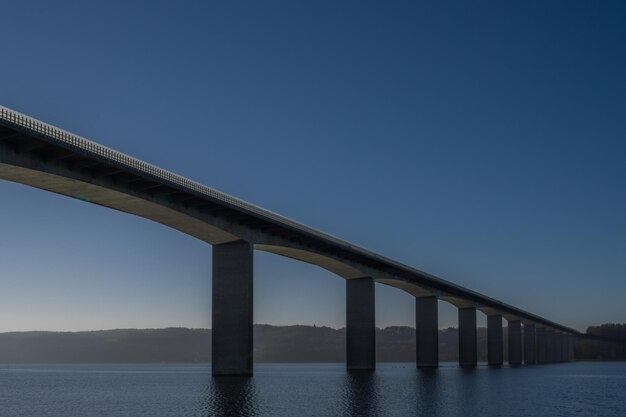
(21, 134)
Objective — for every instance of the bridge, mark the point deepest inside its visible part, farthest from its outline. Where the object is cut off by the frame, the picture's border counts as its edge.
(45, 157)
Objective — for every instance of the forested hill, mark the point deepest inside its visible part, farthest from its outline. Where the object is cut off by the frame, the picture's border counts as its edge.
(594, 349)
(272, 344)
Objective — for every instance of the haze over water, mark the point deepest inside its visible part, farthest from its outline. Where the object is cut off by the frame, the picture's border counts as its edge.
(572, 389)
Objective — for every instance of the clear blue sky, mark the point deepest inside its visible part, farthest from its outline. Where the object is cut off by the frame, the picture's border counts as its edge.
(484, 142)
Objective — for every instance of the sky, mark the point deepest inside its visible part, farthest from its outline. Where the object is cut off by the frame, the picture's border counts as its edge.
(483, 142)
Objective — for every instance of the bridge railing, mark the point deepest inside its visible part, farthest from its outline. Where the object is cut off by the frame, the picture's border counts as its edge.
(81, 144)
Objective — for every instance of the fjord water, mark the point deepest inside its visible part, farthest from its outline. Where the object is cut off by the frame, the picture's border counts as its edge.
(571, 389)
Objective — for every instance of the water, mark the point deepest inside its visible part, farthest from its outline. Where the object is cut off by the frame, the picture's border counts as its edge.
(572, 389)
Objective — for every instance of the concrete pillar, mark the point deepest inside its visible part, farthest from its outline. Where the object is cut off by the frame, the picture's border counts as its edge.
(556, 346)
(426, 332)
(530, 344)
(542, 345)
(572, 342)
(563, 347)
(494, 340)
(232, 341)
(467, 337)
(360, 324)
(515, 342)
(550, 344)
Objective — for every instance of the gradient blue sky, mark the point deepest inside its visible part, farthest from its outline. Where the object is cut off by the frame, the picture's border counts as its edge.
(484, 142)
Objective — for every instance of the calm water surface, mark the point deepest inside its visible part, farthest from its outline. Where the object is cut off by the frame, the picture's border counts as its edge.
(573, 389)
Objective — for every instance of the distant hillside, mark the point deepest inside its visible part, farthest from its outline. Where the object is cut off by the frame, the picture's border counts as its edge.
(272, 344)
(590, 349)
(108, 346)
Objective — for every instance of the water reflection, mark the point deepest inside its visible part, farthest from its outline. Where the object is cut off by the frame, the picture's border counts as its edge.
(360, 396)
(427, 391)
(467, 391)
(319, 390)
(393, 390)
(231, 396)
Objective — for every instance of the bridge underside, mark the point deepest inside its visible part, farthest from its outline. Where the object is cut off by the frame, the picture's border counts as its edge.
(86, 180)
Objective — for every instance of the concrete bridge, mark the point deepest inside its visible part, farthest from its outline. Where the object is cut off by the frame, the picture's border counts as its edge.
(45, 157)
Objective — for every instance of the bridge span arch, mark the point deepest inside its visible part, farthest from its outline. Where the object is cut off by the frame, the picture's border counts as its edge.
(36, 154)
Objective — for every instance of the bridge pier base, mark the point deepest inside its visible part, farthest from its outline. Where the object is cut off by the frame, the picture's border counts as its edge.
(515, 342)
(232, 341)
(426, 332)
(360, 324)
(467, 337)
(494, 340)
(530, 344)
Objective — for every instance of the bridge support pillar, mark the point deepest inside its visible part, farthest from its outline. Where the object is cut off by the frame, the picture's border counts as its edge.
(426, 332)
(467, 337)
(232, 341)
(550, 344)
(530, 344)
(494, 340)
(562, 347)
(568, 358)
(515, 342)
(360, 324)
(566, 338)
(572, 343)
(542, 345)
